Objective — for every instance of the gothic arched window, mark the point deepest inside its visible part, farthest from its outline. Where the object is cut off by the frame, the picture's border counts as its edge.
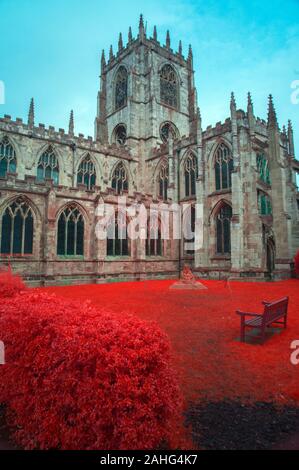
(169, 86)
(120, 135)
(117, 236)
(263, 168)
(70, 232)
(86, 173)
(163, 181)
(167, 129)
(121, 88)
(190, 175)
(17, 229)
(224, 166)
(154, 240)
(120, 179)
(8, 160)
(223, 230)
(48, 166)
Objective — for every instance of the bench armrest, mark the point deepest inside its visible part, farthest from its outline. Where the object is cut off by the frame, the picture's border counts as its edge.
(249, 314)
(266, 303)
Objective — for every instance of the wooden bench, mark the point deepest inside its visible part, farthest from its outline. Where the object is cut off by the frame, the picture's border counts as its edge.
(274, 313)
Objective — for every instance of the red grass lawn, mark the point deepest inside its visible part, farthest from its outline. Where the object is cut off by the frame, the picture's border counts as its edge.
(203, 328)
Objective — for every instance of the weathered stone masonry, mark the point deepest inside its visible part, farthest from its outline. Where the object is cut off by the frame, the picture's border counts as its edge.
(148, 121)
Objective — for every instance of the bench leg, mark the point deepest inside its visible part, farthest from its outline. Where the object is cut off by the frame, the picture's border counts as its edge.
(242, 331)
(263, 335)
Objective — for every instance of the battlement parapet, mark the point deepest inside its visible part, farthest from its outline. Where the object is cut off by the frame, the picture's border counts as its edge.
(152, 45)
(218, 129)
(32, 185)
(50, 134)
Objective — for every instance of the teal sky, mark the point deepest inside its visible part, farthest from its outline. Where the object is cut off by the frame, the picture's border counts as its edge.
(51, 50)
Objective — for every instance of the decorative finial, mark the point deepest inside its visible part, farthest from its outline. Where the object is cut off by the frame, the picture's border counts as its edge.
(103, 60)
(249, 105)
(130, 35)
(71, 123)
(249, 101)
(190, 54)
(291, 139)
(141, 26)
(155, 35)
(31, 113)
(111, 55)
(272, 119)
(233, 101)
(180, 48)
(168, 40)
(120, 43)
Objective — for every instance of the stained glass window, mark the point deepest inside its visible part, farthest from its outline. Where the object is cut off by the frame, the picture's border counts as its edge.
(163, 181)
(263, 168)
(17, 229)
(70, 232)
(121, 88)
(120, 179)
(169, 86)
(86, 173)
(190, 175)
(8, 160)
(224, 166)
(223, 230)
(117, 237)
(48, 166)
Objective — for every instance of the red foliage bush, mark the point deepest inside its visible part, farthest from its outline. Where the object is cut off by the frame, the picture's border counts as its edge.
(10, 284)
(77, 377)
(297, 264)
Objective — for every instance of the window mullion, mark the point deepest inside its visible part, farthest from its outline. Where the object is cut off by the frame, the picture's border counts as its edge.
(23, 236)
(221, 173)
(75, 238)
(66, 235)
(12, 233)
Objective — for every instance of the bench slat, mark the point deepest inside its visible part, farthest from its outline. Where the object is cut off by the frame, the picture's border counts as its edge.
(255, 322)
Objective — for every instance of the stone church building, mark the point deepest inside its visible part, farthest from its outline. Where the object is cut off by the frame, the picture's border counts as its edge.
(149, 145)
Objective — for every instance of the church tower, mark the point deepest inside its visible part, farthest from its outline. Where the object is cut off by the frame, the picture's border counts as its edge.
(147, 91)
